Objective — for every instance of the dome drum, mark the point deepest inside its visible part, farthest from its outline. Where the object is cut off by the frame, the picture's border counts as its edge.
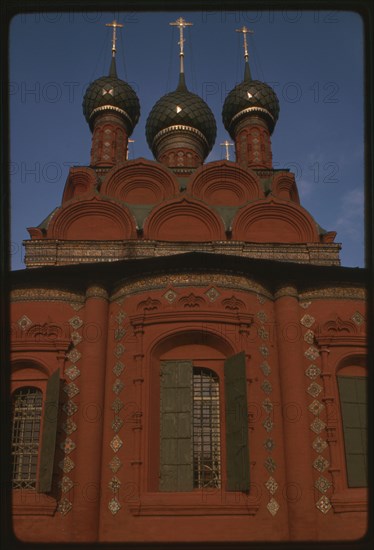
(180, 146)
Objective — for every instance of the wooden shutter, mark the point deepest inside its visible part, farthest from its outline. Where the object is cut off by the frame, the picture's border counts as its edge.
(237, 450)
(352, 391)
(176, 466)
(49, 433)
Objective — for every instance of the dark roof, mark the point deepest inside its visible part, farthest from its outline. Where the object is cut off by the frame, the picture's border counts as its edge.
(269, 273)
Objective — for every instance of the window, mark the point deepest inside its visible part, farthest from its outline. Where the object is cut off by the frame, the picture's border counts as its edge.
(27, 411)
(352, 392)
(206, 429)
(191, 427)
(34, 436)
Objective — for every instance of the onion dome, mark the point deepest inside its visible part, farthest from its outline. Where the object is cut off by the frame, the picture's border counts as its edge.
(111, 94)
(250, 97)
(178, 111)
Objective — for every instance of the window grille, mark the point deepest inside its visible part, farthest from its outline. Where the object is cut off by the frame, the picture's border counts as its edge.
(27, 410)
(206, 429)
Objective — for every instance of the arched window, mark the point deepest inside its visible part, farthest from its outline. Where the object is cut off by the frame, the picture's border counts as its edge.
(353, 404)
(27, 411)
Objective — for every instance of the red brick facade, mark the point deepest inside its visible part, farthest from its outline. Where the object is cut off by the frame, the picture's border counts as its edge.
(176, 261)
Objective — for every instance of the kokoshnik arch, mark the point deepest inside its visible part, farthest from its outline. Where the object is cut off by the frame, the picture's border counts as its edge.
(188, 356)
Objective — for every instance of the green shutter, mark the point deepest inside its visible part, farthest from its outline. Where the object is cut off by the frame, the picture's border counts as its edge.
(352, 392)
(237, 450)
(176, 466)
(49, 433)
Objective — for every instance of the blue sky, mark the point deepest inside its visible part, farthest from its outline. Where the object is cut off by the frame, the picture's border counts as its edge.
(313, 60)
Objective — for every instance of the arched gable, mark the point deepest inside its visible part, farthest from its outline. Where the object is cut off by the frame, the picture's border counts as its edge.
(224, 183)
(140, 182)
(184, 220)
(274, 221)
(284, 187)
(92, 219)
(81, 180)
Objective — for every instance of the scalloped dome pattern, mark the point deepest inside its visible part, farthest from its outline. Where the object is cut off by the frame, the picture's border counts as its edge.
(181, 107)
(250, 95)
(109, 92)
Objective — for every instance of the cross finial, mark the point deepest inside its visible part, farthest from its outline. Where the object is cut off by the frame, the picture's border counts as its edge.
(182, 24)
(115, 25)
(127, 151)
(227, 144)
(245, 31)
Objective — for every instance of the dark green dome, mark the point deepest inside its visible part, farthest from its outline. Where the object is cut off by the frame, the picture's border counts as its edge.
(250, 96)
(109, 93)
(181, 108)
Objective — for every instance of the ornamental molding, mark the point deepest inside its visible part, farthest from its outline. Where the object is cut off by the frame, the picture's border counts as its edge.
(45, 294)
(219, 280)
(252, 110)
(286, 291)
(111, 108)
(343, 293)
(203, 317)
(337, 332)
(350, 500)
(148, 506)
(96, 292)
(179, 128)
(43, 337)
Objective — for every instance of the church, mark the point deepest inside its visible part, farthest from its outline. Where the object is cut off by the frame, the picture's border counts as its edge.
(188, 356)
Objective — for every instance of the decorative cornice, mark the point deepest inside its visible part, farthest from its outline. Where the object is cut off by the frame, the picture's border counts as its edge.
(44, 294)
(111, 108)
(251, 110)
(96, 292)
(179, 128)
(156, 282)
(286, 291)
(342, 293)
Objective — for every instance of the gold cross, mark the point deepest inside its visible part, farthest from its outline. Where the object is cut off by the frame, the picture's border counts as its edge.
(115, 25)
(182, 24)
(227, 144)
(244, 30)
(127, 151)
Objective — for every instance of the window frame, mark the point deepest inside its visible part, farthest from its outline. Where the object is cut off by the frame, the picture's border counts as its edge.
(35, 481)
(353, 373)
